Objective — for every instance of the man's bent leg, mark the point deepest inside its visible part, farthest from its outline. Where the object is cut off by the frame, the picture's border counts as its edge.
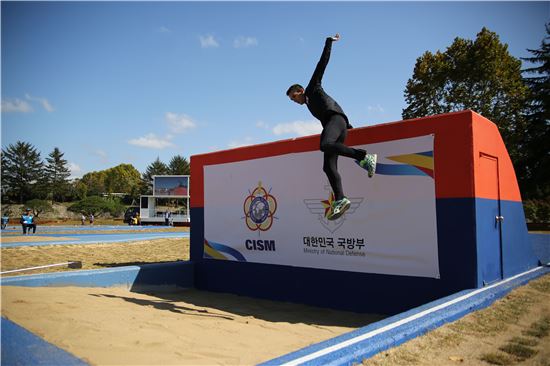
(333, 137)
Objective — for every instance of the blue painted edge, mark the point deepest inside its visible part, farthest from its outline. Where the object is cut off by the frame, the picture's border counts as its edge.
(100, 277)
(21, 347)
(159, 274)
(383, 339)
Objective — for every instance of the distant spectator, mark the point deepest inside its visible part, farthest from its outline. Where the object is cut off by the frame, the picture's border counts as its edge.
(5, 221)
(135, 219)
(171, 220)
(82, 219)
(167, 216)
(91, 219)
(27, 222)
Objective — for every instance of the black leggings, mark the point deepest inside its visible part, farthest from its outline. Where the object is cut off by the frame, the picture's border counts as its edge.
(332, 144)
(28, 227)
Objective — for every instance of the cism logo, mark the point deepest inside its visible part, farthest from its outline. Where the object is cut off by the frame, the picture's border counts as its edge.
(259, 209)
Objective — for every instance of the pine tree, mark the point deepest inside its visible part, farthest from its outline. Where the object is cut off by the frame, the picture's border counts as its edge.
(179, 166)
(155, 168)
(56, 174)
(21, 170)
(536, 178)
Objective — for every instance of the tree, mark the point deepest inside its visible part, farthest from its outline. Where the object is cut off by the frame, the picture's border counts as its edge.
(21, 170)
(179, 166)
(57, 174)
(536, 178)
(80, 189)
(479, 75)
(94, 182)
(39, 206)
(155, 168)
(123, 178)
(96, 205)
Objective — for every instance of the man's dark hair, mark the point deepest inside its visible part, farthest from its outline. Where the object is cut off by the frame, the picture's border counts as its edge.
(294, 88)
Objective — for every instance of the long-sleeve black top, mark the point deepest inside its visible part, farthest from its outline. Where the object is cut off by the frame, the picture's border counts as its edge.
(319, 103)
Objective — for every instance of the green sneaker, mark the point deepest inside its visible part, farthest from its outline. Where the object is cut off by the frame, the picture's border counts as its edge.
(369, 164)
(338, 208)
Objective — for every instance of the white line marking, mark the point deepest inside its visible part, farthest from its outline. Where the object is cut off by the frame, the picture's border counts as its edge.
(375, 332)
(39, 267)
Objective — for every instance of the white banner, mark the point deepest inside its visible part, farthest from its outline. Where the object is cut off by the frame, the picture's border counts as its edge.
(272, 210)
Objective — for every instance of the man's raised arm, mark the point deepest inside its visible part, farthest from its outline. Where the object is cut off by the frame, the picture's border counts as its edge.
(323, 62)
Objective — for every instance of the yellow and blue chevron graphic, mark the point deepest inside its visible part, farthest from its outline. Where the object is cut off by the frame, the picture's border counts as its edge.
(421, 163)
(216, 251)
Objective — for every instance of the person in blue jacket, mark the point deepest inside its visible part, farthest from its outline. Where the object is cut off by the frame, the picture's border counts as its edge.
(27, 222)
(335, 125)
(5, 221)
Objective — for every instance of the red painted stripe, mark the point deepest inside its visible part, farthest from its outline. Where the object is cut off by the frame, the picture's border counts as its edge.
(454, 152)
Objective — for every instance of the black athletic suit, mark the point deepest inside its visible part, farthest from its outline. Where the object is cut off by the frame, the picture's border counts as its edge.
(335, 124)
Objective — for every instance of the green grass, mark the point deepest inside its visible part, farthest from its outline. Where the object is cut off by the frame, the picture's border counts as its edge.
(530, 342)
(539, 329)
(519, 348)
(519, 351)
(497, 359)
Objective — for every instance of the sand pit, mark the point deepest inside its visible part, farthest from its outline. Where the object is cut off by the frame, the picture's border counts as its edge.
(184, 327)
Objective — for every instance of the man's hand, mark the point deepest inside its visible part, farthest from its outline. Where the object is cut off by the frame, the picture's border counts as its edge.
(336, 37)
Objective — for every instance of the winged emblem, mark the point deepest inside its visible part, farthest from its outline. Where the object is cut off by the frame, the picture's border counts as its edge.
(321, 208)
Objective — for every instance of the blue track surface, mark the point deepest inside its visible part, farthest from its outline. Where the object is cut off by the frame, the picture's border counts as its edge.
(47, 229)
(83, 239)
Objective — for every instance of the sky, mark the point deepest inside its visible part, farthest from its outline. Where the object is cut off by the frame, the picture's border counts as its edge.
(127, 82)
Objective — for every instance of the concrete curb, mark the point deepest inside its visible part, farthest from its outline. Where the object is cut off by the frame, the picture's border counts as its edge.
(179, 274)
(365, 342)
(21, 347)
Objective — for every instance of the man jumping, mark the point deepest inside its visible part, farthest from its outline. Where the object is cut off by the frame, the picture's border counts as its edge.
(335, 125)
